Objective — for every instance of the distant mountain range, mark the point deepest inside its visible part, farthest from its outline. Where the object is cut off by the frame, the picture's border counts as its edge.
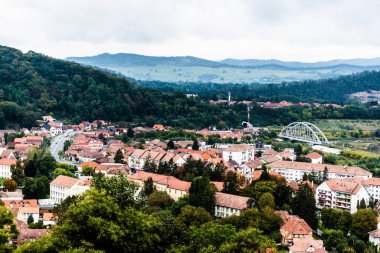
(194, 69)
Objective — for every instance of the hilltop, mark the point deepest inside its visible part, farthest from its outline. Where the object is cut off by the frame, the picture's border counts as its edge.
(194, 69)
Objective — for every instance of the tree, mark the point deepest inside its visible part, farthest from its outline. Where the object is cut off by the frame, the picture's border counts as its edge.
(363, 221)
(36, 188)
(262, 187)
(130, 133)
(61, 171)
(362, 204)
(97, 222)
(160, 200)
(250, 240)
(30, 219)
(202, 194)
(10, 185)
(87, 170)
(195, 145)
(18, 172)
(122, 190)
(119, 157)
(150, 165)
(230, 184)
(148, 186)
(193, 216)
(170, 145)
(266, 200)
(303, 205)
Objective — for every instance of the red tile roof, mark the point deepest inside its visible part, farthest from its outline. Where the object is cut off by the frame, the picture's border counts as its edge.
(232, 201)
(314, 155)
(65, 181)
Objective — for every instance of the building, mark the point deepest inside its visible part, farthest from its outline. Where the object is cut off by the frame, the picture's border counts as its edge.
(343, 194)
(372, 186)
(174, 187)
(5, 167)
(374, 237)
(26, 211)
(295, 170)
(64, 186)
(240, 153)
(294, 228)
(228, 204)
(315, 157)
(307, 244)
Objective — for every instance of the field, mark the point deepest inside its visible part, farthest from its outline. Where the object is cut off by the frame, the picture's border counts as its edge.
(338, 125)
(226, 74)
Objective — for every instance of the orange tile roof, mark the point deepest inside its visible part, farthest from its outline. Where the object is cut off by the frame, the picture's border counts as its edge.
(20, 203)
(340, 169)
(65, 181)
(314, 155)
(7, 161)
(296, 225)
(348, 185)
(232, 201)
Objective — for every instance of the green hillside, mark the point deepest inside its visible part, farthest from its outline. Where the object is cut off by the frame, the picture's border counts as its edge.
(37, 84)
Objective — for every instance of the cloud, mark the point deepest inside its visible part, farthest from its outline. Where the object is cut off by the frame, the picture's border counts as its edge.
(216, 29)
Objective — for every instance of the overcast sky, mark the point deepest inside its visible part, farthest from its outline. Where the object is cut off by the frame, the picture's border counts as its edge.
(304, 30)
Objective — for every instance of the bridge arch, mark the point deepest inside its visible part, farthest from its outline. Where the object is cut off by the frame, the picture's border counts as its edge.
(304, 131)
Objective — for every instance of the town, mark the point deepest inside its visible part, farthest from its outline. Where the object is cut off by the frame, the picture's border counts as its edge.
(44, 167)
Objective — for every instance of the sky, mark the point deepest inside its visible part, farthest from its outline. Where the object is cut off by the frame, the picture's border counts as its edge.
(299, 30)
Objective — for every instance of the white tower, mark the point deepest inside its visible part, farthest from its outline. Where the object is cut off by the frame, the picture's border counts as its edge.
(229, 96)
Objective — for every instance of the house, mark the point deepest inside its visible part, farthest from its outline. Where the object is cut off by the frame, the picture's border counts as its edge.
(48, 219)
(64, 186)
(47, 118)
(158, 127)
(228, 204)
(374, 237)
(26, 211)
(307, 244)
(295, 170)
(5, 167)
(315, 157)
(174, 187)
(240, 153)
(17, 195)
(293, 228)
(343, 194)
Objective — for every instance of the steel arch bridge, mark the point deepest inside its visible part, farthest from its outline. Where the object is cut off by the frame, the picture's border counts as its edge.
(304, 131)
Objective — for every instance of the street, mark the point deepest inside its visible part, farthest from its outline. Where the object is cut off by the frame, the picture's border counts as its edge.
(57, 144)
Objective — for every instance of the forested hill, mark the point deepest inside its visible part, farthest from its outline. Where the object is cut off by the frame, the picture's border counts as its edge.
(332, 90)
(36, 84)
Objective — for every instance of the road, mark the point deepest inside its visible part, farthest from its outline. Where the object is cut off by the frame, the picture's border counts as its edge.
(57, 144)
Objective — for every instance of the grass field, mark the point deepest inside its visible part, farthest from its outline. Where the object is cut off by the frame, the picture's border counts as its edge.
(338, 125)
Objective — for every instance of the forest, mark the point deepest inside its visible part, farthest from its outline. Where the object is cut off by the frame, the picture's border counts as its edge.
(33, 84)
(324, 90)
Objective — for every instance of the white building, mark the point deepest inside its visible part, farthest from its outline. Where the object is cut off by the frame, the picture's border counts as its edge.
(228, 204)
(64, 186)
(5, 167)
(373, 187)
(239, 153)
(343, 194)
(374, 237)
(174, 187)
(315, 157)
(26, 211)
(294, 171)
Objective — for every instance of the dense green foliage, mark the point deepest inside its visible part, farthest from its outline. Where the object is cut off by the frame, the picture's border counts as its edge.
(101, 221)
(333, 89)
